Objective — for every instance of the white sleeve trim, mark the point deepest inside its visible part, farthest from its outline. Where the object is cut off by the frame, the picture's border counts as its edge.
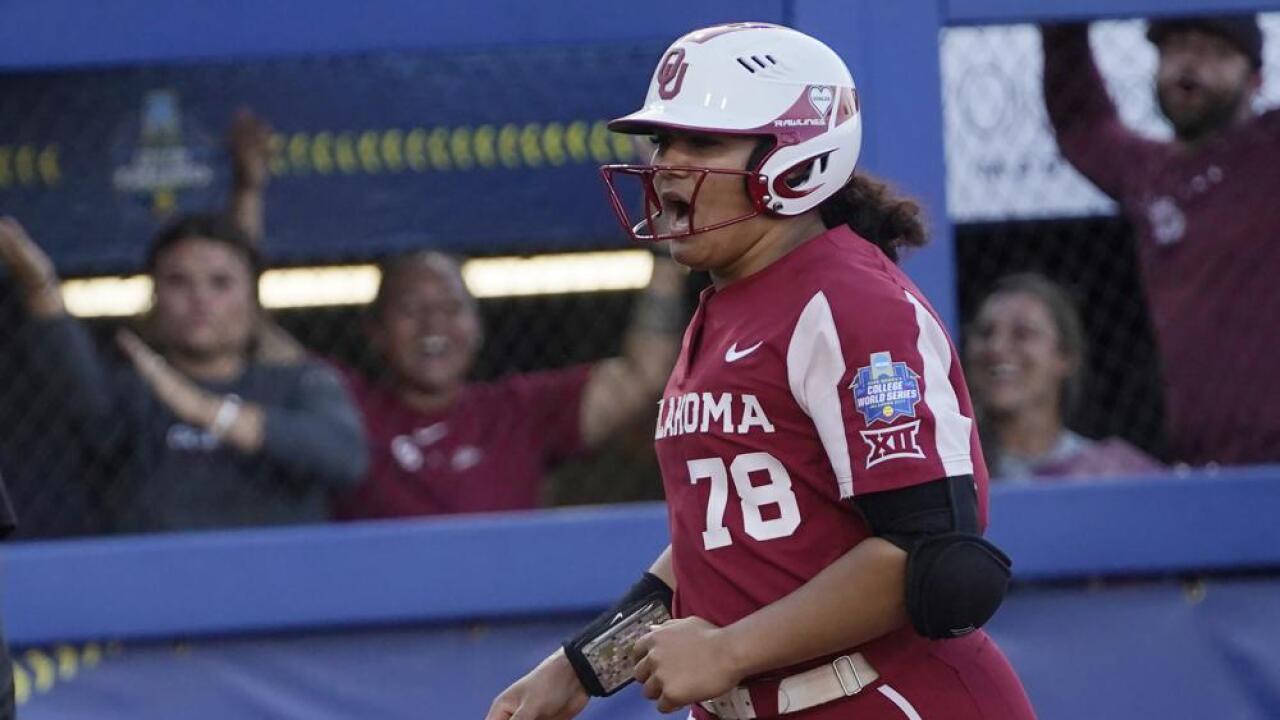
(952, 429)
(815, 366)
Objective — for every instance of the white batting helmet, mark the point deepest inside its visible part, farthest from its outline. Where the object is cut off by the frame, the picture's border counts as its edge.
(759, 80)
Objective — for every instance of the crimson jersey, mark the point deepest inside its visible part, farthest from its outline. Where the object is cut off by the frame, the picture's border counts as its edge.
(822, 377)
(486, 452)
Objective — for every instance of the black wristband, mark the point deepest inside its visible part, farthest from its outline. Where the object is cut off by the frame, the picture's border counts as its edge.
(648, 586)
(640, 599)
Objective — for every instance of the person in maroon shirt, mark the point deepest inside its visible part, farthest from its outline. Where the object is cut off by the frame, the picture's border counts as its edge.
(1204, 208)
(825, 485)
(440, 444)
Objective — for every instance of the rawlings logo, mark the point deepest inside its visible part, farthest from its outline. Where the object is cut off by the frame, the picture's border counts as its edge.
(671, 73)
(800, 122)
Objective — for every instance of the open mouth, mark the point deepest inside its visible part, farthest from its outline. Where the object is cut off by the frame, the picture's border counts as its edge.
(433, 345)
(1187, 88)
(675, 211)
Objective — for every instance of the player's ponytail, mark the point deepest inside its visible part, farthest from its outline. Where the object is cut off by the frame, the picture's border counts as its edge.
(888, 221)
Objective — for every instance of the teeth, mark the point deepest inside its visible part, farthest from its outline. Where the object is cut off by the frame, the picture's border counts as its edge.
(1004, 370)
(679, 223)
(433, 344)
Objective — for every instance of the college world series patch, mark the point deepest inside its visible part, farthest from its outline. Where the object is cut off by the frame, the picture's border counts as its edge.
(885, 391)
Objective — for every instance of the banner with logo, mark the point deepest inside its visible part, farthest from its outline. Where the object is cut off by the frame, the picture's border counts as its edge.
(493, 151)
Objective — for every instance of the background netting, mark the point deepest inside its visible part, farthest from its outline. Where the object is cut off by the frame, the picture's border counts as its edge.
(478, 153)
(372, 154)
(1019, 206)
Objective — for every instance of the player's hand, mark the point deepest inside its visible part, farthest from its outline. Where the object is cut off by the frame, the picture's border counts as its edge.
(550, 691)
(682, 662)
(31, 268)
(249, 141)
(186, 399)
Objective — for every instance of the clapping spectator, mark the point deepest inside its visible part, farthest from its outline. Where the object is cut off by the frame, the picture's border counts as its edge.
(208, 436)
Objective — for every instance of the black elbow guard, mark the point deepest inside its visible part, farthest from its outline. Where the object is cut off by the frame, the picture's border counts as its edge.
(955, 583)
(955, 579)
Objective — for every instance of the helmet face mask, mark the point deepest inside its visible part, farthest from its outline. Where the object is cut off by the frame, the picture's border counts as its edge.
(749, 79)
(647, 224)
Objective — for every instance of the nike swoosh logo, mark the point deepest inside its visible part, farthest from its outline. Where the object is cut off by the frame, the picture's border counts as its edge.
(733, 354)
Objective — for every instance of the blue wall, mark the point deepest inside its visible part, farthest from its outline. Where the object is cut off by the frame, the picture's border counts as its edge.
(445, 612)
(496, 566)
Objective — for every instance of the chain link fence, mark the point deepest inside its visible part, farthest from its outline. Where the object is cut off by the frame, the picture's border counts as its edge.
(64, 486)
(1016, 205)
(369, 158)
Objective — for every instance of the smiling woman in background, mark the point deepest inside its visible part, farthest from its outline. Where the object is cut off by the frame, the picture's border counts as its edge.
(439, 442)
(1025, 360)
(442, 444)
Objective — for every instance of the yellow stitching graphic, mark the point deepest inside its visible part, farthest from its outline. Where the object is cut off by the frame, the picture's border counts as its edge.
(39, 670)
(30, 165)
(374, 151)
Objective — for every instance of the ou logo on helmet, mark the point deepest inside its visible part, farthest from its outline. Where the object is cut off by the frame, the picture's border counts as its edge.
(671, 73)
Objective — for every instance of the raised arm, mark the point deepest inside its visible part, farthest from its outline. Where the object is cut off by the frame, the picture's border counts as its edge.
(1090, 134)
(621, 388)
(249, 146)
(61, 347)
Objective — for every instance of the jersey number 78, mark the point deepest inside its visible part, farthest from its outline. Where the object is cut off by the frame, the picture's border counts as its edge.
(752, 497)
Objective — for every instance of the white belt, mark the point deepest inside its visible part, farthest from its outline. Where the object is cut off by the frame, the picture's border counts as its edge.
(845, 676)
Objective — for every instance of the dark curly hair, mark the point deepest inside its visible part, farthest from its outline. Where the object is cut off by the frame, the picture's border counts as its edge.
(872, 210)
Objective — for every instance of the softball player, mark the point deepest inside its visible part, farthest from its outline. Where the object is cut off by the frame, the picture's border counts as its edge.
(825, 484)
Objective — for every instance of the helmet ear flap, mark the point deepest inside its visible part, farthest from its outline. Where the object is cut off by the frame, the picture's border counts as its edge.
(801, 174)
(757, 186)
(798, 175)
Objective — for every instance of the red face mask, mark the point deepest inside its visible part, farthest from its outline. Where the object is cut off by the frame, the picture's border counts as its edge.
(658, 219)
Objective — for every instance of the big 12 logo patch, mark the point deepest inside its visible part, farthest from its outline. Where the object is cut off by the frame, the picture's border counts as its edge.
(891, 443)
